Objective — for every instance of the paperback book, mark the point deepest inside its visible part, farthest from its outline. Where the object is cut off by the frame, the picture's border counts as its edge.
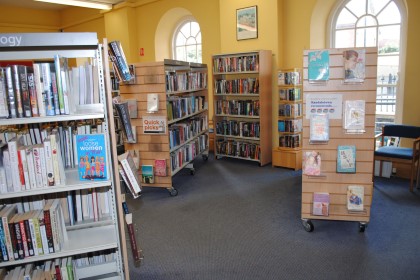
(147, 174)
(311, 164)
(318, 66)
(354, 116)
(160, 167)
(355, 198)
(354, 66)
(321, 204)
(319, 128)
(91, 154)
(346, 159)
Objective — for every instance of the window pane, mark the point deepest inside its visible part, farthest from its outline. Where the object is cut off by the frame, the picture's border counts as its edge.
(186, 29)
(199, 54)
(357, 7)
(375, 6)
(344, 38)
(180, 53)
(345, 20)
(389, 39)
(366, 21)
(391, 14)
(180, 40)
(191, 41)
(191, 53)
(195, 28)
(366, 37)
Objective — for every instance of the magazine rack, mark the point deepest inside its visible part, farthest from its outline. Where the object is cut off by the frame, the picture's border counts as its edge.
(331, 182)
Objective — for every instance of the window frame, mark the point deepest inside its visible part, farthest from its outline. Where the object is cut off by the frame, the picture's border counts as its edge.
(178, 28)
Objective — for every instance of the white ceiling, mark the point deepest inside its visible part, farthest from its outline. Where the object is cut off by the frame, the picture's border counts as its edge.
(31, 4)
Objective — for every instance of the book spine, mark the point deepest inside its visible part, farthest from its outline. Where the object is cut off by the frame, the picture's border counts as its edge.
(8, 239)
(19, 242)
(54, 138)
(120, 60)
(5, 256)
(4, 108)
(11, 99)
(130, 175)
(31, 167)
(44, 238)
(17, 90)
(54, 90)
(33, 95)
(37, 152)
(59, 86)
(48, 230)
(28, 236)
(23, 170)
(123, 112)
(24, 238)
(47, 86)
(39, 87)
(38, 237)
(49, 162)
(26, 98)
(32, 232)
(13, 240)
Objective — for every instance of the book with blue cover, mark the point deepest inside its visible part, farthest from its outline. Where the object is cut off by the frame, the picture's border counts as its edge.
(319, 66)
(91, 154)
(346, 159)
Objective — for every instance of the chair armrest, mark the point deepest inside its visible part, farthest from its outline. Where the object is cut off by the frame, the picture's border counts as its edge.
(378, 135)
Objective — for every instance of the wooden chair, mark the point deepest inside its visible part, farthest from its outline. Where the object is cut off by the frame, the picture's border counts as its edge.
(403, 155)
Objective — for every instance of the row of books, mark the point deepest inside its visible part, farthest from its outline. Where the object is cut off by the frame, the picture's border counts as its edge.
(188, 152)
(290, 94)
(290, 125)
(236, 63)
(46, 89)
(354, 195)
(184, 81)
(244, 86)
(290, 110)
(289, 78)
(238, 107)
(179, 107)
(238, 128)
(346, 161)
(290, 141)
(119, 62)
(238, 149)
(67, 268)
(179, 133)
(32, 233)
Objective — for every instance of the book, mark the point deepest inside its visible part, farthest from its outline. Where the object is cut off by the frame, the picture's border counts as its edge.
(130, 170)
(355, 198)
(354, 66)
(4, 108)
(127, 182)
(311, 164)
(319, 128)
(346, 159)
(11, 97)
(117, 56)
(33, 93)
(354, 115)
(6, 215)
(91, 154)
(47, 89)
(124, 115)
(318, 66)
(60, 65)
(160, 167)
(152, 102)
(24, 90)
(147, 174)
(321, 203)
(17, 91)
(39, 88)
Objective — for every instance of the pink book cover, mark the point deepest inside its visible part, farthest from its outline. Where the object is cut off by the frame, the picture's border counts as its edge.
(160, 167)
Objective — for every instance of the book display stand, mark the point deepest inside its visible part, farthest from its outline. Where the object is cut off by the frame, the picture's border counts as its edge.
(345, 175)
(172, 124)
(77, 212)
(242, 106)
(290, 111)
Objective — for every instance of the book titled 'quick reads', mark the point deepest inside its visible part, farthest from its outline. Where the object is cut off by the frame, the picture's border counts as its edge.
(91, 155)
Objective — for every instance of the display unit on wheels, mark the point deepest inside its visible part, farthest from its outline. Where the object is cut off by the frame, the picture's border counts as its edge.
(172, 127)
(242, 87)
(338, 135)
(288, 153)
(57, 219)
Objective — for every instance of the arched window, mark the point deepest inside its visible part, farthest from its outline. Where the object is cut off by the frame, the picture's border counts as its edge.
(375, 23)
(187, 42)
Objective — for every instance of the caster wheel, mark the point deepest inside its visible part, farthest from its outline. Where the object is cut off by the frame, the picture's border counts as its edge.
(173, 192)
(362, 227)
(205, 158)
(192, 172)
(307, 225)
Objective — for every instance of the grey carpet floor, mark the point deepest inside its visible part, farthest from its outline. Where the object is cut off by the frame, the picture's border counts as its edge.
(236, 220)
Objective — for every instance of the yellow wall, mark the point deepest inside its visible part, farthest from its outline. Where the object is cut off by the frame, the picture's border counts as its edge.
(28, 20)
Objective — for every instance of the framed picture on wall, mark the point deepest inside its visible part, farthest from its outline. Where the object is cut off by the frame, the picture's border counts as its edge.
(246, 23)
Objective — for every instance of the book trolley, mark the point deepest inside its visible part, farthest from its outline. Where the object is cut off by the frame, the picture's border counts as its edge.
(182, 113)
(332, 181)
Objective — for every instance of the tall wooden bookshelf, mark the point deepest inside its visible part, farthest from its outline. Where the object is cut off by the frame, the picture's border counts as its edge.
(183, 106)
(331, 181)
(99, 235)
(288, 153)
(242, 93)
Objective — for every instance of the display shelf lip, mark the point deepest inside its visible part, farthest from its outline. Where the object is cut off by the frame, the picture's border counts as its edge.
(237, 116)
(169, 93)
(189, 140)
(174, 172)
(288, 149)
(290, 86)
(280, 118)
(72, 183)
(289, 132)
(236, 73)
(187, 117)
(285, 101)
(56, 118)
(239, 137)
(238, 94)
(251, 159)
(101, 238)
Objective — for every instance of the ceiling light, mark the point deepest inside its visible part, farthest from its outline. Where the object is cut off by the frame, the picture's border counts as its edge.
(80, 3)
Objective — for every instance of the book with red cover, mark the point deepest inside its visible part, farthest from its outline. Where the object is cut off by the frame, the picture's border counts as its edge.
(48, 227)
(160, 167)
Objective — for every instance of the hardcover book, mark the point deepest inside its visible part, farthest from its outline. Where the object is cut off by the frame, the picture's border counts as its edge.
(319, 66)
(311, 164)
(346, 159)
(147, 174)
(321, 204)
(355, 198)
(130, 172)
(91, 154)
(319, 128)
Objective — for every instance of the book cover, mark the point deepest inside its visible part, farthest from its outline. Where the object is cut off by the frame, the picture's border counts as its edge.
(123, 113)
(319, 66)
(346, 159)
(354, 66)
(311, 164)
(160, 167)
(130, 171)
(319, 128)
(147, 174)
(152, 102)
(354, 115)
(91, 154)
(355, 198)
(321, 204)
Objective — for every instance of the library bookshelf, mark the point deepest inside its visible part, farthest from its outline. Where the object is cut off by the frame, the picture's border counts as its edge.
(242, 87)
(288, 153)
(76, 233)
(181, 88)
(331, 181)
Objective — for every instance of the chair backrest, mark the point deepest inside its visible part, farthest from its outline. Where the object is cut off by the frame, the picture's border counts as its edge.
(400, 130)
